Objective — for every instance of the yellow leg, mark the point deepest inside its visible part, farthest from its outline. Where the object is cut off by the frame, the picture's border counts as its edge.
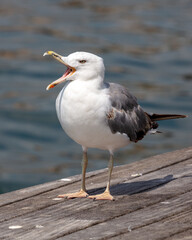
(82, 193)
(106, 195)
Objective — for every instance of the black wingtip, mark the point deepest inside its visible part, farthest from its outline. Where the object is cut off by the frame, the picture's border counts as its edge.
(159, 117)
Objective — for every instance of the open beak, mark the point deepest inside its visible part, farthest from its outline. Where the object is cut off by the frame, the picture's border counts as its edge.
(70, 70)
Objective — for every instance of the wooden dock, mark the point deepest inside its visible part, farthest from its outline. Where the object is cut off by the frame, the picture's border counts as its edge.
(153, 200)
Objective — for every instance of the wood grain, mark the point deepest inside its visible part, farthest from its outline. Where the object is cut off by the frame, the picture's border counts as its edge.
(153, 200)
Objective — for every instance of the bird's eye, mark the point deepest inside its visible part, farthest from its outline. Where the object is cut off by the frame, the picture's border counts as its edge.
(82, 61)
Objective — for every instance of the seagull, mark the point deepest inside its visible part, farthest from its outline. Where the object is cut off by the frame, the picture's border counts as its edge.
(98, 114)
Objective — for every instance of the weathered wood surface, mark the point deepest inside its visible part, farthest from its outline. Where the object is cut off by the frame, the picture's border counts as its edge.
(154, 205)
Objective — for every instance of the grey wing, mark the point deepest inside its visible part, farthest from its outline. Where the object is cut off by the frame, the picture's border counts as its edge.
(125, 115)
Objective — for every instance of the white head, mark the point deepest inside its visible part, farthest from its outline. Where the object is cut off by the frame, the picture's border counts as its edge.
(80, 66)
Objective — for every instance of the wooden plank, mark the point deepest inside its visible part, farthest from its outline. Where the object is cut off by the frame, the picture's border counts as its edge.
(57, 221)
(73, 215)
(144, 166)
(183, 235)
(19, 195)
(162, 229)
(125, 188)
(137, 219)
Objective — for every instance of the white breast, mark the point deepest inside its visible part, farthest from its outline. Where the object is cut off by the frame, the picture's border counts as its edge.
(81, 109)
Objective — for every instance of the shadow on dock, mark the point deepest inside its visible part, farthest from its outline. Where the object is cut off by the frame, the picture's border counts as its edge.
(135, 187)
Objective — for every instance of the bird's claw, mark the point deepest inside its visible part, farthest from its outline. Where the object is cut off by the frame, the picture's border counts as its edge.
(80, 194)
(103, 196)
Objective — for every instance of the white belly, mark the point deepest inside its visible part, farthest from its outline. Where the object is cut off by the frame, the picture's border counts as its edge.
(82, 114)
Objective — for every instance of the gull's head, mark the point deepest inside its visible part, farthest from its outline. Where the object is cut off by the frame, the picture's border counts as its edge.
(81, 66)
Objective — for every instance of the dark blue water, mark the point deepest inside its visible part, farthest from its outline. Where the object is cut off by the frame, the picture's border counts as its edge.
(147, 47)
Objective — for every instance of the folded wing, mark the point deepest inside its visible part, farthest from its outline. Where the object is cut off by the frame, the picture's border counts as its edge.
(126, 116)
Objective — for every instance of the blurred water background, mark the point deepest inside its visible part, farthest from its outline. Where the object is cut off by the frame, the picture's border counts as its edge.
(147, 47)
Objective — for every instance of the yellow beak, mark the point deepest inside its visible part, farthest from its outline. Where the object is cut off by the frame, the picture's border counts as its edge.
(70, 70)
